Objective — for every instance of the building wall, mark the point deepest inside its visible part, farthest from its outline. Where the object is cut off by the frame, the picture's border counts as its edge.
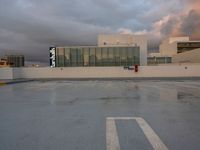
(168, 50)
(192, 56)
(179, 39)
(115, 40)
(141, 40)
(126, 40)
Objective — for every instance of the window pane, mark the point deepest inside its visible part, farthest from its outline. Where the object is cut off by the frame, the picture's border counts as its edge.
(79, 57)
(92, 57)
(104, 56)
(86, 56)
(123, 56)
(111, 56)
(130, 56)
(136, 54)
(98, 57)
(60, 57)
(67, 57)
(57, 58)
(117, 57)
(73, 57)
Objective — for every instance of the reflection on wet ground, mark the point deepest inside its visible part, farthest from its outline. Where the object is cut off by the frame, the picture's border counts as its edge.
(71, 114)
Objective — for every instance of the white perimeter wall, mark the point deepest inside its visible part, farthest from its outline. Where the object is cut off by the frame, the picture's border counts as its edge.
(6, 73)
(100, 72)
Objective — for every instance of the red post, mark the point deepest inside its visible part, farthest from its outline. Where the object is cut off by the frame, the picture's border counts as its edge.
(136, 68)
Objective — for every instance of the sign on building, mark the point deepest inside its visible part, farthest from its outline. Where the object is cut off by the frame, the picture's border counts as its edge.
(52, 51)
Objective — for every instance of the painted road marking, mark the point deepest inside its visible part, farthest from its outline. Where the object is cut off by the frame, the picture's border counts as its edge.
(112, 140)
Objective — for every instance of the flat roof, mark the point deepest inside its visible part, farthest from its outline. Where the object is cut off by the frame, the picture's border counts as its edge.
(106, 46)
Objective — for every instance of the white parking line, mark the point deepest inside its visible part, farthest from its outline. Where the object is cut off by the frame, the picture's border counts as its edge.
(151, 135)
(112, 140)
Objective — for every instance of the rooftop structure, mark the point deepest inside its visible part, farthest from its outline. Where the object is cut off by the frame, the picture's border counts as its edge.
(175, 45)
(112, 50)
(126, 40)
(172, 47)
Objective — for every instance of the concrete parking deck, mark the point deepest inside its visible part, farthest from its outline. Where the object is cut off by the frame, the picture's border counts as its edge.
(100, 115)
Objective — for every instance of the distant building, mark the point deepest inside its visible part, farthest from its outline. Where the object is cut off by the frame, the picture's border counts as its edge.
(191, 56)
(12, 61)
(173, 46)
(126, 40)
(4, 63)
(112, 50)
(94, 56)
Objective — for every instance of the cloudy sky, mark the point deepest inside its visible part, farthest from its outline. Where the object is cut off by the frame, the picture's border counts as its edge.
(30, 27)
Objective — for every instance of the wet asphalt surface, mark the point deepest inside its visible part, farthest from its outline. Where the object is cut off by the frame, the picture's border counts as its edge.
(71, 115)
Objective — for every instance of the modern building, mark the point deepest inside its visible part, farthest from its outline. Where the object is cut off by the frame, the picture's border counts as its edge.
(15, 60)
(176, 45)
(191, 56)
(94, 56)
(12, 61)
(126, 40)
(112, 50)
(173, 46)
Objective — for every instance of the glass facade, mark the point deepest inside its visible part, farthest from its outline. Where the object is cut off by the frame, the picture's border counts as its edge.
(159, 60)
(97, 56)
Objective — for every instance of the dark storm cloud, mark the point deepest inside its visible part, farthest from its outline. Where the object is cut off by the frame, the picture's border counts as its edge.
(30, 27)
(191, 23)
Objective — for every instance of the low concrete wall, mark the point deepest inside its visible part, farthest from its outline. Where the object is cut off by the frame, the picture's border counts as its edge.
(6, 73)
(100, 72)
(106, 72)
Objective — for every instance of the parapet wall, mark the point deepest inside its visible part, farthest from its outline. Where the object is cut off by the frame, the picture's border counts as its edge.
(6, 73)
(100, 72)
